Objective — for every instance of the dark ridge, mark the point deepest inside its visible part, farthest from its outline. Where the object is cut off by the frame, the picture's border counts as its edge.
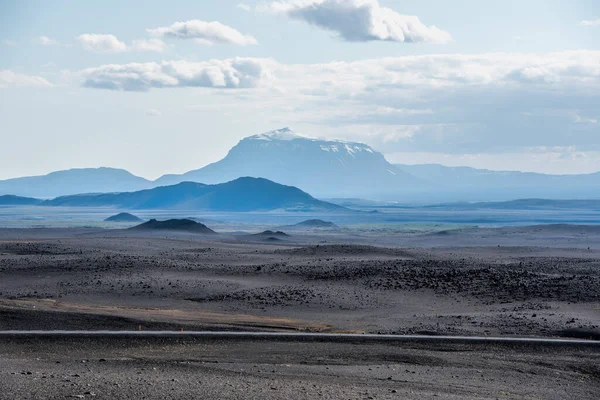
(185, 225)
(123, 217)
(346, 250)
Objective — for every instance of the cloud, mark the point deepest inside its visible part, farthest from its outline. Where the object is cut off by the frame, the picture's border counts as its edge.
(46, 41)
(9, 43)
(360, 20)
(244, 7)
(444, 103)
(9, 78)
(110, 44)
(227, 74)
(152, 112)
(155, 45)
(204, 33)
(101, 43)
(578, 119)
(595, 22)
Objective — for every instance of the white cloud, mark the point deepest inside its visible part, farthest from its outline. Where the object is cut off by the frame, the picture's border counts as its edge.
(205, 33)
(595, 22)
(155, 45)
(101, 43)
(578, 119)
(46, 41)
(232, 73)
(152, 112)
(110, 44)
(9, 43)
(244, 7)
(360, 20)
(10, 78)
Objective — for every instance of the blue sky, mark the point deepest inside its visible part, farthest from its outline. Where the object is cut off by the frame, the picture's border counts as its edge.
(500, 85)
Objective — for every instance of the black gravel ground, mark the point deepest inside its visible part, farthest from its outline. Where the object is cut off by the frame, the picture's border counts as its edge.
(177, 368)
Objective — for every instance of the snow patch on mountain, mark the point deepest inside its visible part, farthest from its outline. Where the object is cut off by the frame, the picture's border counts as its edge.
(335, 146)
(278, 134)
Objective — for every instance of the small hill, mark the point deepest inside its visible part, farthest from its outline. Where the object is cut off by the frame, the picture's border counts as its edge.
(185, 225)
(11, 200)
(272, 234)
(123, 217)
(315, 223)
(269, 236)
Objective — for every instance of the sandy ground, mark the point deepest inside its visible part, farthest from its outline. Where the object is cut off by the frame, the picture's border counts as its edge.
(511, 281)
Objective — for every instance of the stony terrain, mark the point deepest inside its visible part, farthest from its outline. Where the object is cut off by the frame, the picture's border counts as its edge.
(535, 282)
(184, 367)
(239, 282)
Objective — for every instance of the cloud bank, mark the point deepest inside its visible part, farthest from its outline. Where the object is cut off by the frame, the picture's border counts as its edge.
(205, 33)
(360, 20)
(226, 74)
(449, 103)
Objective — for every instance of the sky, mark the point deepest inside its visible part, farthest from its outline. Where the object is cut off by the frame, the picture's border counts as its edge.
(160, 87)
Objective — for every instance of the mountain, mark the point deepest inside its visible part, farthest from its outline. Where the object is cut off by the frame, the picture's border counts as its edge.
(185, 225)
(74, 181)
(10, 200)
(123, 217)
(465, 183)
(242, 194)
(321, 167)
(314, 223)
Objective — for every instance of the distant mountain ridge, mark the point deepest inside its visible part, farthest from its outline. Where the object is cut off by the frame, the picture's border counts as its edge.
(74, 181)
(239, 195)
(325, 169)
(466, 183)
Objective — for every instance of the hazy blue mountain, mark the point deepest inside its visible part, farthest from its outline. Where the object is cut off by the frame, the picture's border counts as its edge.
(74, 181)
(10, 200)
(322, 168)
(464, 183)
(123, 217)
(242, 194)
(313, 223)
